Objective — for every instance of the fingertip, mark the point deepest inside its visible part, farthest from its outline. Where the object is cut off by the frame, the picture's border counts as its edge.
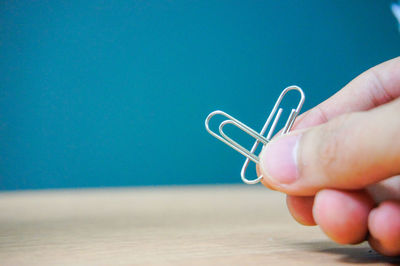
(384, 227)
(301, 209)
(278, 160)
(266, 184)
(343, 215)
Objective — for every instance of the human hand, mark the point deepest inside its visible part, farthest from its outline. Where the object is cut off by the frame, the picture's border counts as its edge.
(342, 159)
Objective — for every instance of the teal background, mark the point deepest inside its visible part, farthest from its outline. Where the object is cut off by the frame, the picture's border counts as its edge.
(115, 93)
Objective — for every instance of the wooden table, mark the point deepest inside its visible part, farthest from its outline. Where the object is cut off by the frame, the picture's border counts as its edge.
(204, 225)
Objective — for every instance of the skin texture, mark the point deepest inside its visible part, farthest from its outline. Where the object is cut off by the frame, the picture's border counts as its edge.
(348, 162)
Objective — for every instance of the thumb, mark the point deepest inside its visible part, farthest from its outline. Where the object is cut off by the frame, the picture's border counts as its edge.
(348, 152)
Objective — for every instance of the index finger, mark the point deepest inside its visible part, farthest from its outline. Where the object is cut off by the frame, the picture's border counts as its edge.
(374, 87)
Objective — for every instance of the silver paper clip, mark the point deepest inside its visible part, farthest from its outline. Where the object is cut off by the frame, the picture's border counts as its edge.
(249, 154)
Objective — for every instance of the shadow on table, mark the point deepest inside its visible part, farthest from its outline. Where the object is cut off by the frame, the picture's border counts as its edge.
(350, 254)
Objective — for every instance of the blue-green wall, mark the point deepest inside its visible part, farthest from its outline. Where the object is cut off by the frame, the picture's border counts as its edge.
(114, 93)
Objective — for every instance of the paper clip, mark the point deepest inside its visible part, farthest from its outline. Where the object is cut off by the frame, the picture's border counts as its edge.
(260, 138)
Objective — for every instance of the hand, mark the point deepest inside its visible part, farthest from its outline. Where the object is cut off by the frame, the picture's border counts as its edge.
(341, 159)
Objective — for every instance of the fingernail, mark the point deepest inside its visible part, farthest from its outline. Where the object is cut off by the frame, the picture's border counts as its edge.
(278, 159)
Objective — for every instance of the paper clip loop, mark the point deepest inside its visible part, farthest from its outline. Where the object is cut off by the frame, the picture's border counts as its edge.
(249, 154)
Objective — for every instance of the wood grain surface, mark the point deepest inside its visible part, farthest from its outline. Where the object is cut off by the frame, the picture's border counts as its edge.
(204, 225)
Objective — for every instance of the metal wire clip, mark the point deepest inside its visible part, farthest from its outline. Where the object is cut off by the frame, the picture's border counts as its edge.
(249, 154)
